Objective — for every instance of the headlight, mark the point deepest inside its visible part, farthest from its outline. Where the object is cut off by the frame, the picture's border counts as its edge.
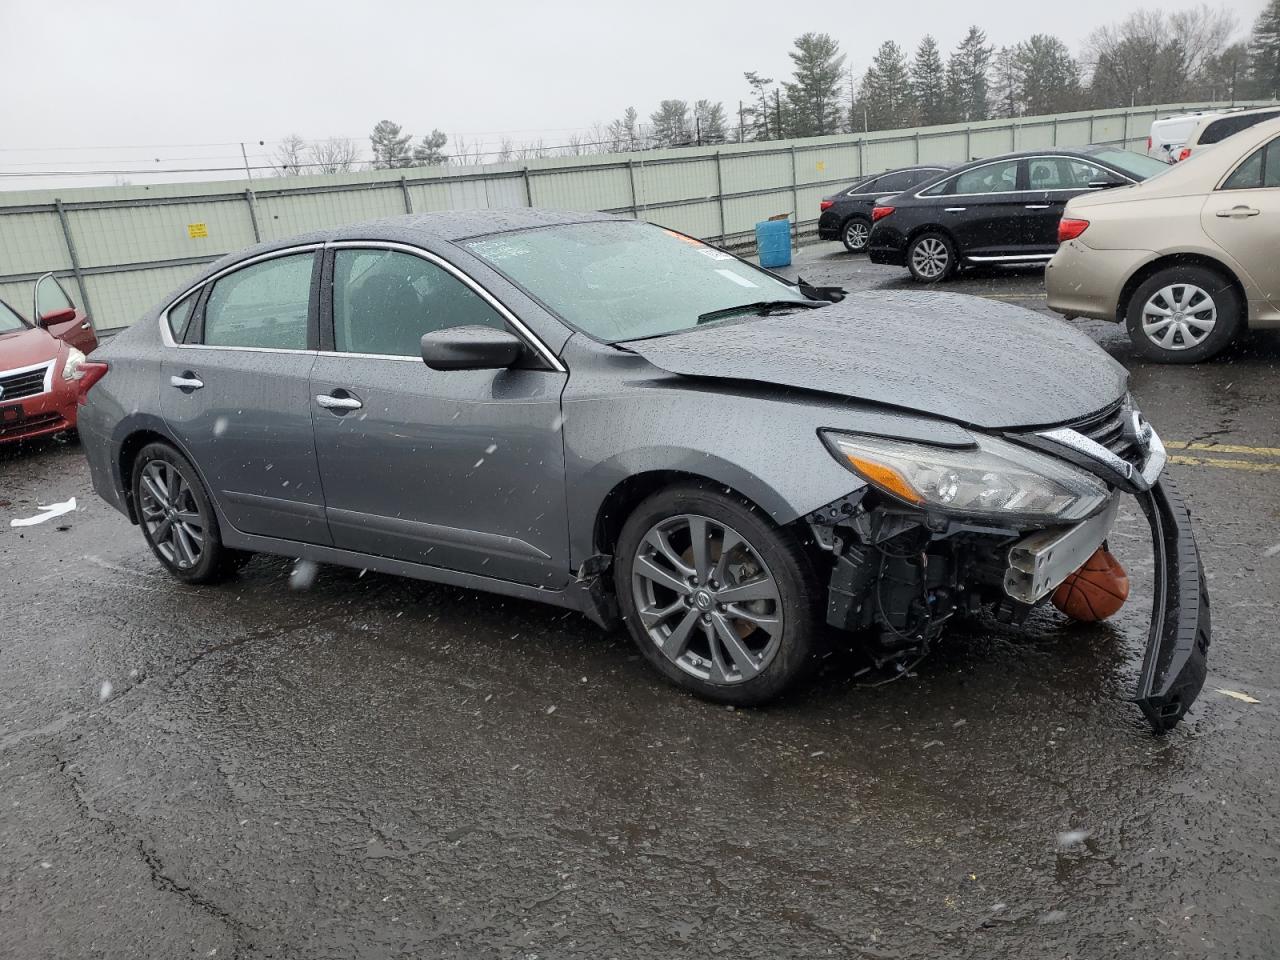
(995, 480)
(71, 369)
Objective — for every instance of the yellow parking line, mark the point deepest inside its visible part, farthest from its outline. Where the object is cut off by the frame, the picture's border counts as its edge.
(1227, 464)
(1222, 448)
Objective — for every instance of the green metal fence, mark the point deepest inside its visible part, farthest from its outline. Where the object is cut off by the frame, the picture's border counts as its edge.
(124, 248)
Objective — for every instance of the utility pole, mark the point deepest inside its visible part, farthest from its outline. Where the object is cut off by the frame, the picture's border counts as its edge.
(247, 172)
(741, 121)
(777, 111)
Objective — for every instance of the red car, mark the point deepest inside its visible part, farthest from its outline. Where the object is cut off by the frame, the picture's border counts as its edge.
(43, 370)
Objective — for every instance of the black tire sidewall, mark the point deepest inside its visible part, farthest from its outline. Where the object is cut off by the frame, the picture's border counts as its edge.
(215, 561)
(1225, 297)
(951, 256)
(787, 560)
(844, 234)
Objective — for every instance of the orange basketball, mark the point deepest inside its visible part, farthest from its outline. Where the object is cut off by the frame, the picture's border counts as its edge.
(1095, 591)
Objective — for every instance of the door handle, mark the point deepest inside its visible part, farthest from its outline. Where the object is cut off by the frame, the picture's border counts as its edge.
(188, 381)
(85, 325)
(1239, 212)
(954, 209)
(1037, 206)
(338, 403)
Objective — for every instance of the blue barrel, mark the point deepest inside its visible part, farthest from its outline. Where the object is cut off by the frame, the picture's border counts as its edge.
(773, 243)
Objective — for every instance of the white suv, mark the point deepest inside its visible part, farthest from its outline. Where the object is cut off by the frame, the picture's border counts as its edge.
(1170, 134)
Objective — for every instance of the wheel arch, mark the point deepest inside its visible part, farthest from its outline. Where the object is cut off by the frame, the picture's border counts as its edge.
(1181, 259)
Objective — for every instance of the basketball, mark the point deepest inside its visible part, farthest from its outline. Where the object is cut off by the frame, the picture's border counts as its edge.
(1095, 591)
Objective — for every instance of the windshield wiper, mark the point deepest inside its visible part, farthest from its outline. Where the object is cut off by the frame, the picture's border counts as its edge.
(760, 307)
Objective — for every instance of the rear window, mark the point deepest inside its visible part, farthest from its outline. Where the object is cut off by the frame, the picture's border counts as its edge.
(1219, 130)
(1134, 164)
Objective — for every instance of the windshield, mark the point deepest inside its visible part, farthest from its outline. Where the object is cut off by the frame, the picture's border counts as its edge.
(1134, 164)
(9, 320)
(625, 280)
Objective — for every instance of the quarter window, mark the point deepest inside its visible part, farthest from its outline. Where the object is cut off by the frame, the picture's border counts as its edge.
(384, 301)
(1261, 169)
(993, 178)
(179, 314)
(264, 305)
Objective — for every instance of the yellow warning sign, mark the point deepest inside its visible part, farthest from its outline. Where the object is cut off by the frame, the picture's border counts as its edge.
(197, 230)
(821, 165)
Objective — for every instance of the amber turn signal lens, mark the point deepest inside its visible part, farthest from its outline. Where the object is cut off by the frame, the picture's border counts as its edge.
(886, 478)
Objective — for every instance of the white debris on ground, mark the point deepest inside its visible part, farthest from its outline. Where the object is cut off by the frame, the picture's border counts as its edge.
(47, 513)
(1237, 695)
(1073, 838)
(303, 574)
(104, 691)
(1272, 550)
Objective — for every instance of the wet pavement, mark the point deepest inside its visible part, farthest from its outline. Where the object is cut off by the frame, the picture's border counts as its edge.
(377, 767)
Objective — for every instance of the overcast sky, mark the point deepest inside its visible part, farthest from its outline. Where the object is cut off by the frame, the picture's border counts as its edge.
(104, 75)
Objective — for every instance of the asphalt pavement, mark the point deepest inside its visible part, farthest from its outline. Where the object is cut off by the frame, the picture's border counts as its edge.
(376, 767)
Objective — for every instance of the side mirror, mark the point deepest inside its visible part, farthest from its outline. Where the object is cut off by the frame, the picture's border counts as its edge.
(65, 315)
(471, 348)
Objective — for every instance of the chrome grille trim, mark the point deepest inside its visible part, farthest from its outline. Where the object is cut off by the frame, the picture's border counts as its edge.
(18, 384)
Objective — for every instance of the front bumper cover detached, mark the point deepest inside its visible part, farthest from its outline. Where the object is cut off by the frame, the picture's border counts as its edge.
(1176, 660)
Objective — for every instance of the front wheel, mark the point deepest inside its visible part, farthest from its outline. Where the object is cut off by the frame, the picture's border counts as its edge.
(717, 598)
(931, 257)
(177, 518)
(1184, 314)
(855, 234)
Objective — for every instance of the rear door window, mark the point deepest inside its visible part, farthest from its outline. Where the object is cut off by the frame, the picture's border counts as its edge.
(1219, 130)
(1260, 169)
(999, 177)
(264, 305)
(1064, 173)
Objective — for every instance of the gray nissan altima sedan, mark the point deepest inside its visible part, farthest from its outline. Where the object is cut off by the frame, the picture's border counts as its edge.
(613, 417)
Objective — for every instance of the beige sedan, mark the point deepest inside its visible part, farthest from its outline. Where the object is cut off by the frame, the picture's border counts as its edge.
(1187, 259)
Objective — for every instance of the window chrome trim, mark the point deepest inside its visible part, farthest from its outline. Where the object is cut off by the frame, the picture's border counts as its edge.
(1014, 256)
(532, 339)
(1047, 156)
(46, 365)
(166, 335)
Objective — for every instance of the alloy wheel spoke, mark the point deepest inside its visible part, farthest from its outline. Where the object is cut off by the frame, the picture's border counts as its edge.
(742, 658)
(659, 541)
(677, 642)
(194, 535)
(768, 622)
(190, 518)
(698, 545)
(646, 568)
(185, 549)
(652, 616)
(729, 541)
(157, 494)
(761, 588)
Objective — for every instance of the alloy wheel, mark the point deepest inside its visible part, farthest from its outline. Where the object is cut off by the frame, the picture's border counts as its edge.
(856, 233)
(1179, 316)
(707, 599)
(171, 514)
(930, 258)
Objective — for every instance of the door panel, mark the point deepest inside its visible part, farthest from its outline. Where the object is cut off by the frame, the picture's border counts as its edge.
(49, 295)
(987, 209)
(461, 469)
(1243, 218)
(239, 398)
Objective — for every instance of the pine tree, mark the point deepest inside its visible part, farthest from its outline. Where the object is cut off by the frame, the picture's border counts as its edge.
(671, 124)
(390, 147)
(1048, 76)
(761, 108)
(624, 133)
(967, 77)
(430, 150)
(709, 125)
(813, 93)
(929, 83)
(1006, 84)
(885, 92)
(1264, 52)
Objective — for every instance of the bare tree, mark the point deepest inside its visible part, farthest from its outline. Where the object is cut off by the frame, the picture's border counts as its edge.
(290, 158)
(506, 149)
(335, 155)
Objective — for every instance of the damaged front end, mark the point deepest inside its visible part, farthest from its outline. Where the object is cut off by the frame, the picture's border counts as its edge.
(1001, 524)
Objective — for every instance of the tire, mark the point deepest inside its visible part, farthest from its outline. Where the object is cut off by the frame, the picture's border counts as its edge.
(1215, 316)
(762, 604)
(855, 233)
(931, 257)
(177, 518)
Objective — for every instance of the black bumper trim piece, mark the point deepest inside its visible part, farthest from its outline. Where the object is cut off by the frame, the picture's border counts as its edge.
(1176, 660)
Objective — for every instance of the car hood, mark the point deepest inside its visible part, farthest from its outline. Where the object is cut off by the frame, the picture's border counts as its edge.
(974, 361)
(22, 348)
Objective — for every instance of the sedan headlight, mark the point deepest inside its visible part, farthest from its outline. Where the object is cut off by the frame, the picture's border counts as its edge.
(994, 480)
(71, 369)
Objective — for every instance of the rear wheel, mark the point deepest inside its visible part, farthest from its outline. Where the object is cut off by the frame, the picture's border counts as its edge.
(717, 598)
(855, 234)
(931, 257)
(177, 518)
(1184, 314)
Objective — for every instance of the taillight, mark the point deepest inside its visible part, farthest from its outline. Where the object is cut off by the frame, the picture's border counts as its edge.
(879, 213)
(1070, 229)
(1148, 144)
(826, 204)
(91, 371)
(1184, 153)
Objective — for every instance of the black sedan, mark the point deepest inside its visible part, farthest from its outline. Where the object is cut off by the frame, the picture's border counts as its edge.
(846, 215)
(1001, 210)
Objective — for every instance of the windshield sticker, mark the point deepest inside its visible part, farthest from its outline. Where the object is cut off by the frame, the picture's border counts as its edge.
(740, 281)
(501, 249)
(715, 254)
